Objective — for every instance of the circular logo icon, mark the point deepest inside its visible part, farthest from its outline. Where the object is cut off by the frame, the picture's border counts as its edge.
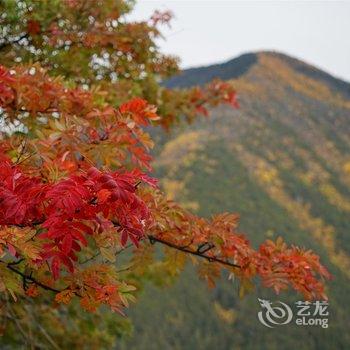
(274, 315)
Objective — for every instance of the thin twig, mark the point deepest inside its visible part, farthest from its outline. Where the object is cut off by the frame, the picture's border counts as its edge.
(16, 41)
(47, 336)
(192, 252)
(20, 154)
(125, 269)
(32, 279)
(13, 263)
(91, 258)
(26, 158)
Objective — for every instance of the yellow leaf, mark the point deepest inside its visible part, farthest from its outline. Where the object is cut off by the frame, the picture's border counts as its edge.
(108, 254)
(64, 297)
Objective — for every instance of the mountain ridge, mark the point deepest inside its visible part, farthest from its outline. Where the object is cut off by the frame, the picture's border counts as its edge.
(237, 66)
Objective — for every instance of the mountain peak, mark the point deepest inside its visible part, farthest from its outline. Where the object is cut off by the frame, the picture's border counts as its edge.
(241, 66)
(231, 69)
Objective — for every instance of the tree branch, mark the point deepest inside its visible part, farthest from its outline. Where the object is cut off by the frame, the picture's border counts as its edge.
(16, 41)
(200, 252)
(153, 239)
(32, 279)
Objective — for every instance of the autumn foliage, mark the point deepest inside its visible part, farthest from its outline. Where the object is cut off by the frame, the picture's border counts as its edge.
(76, 188)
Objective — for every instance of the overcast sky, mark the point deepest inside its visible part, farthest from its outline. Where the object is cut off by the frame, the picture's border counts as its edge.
(206, 32)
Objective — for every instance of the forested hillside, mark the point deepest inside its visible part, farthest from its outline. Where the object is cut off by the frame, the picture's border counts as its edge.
(282, 161)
